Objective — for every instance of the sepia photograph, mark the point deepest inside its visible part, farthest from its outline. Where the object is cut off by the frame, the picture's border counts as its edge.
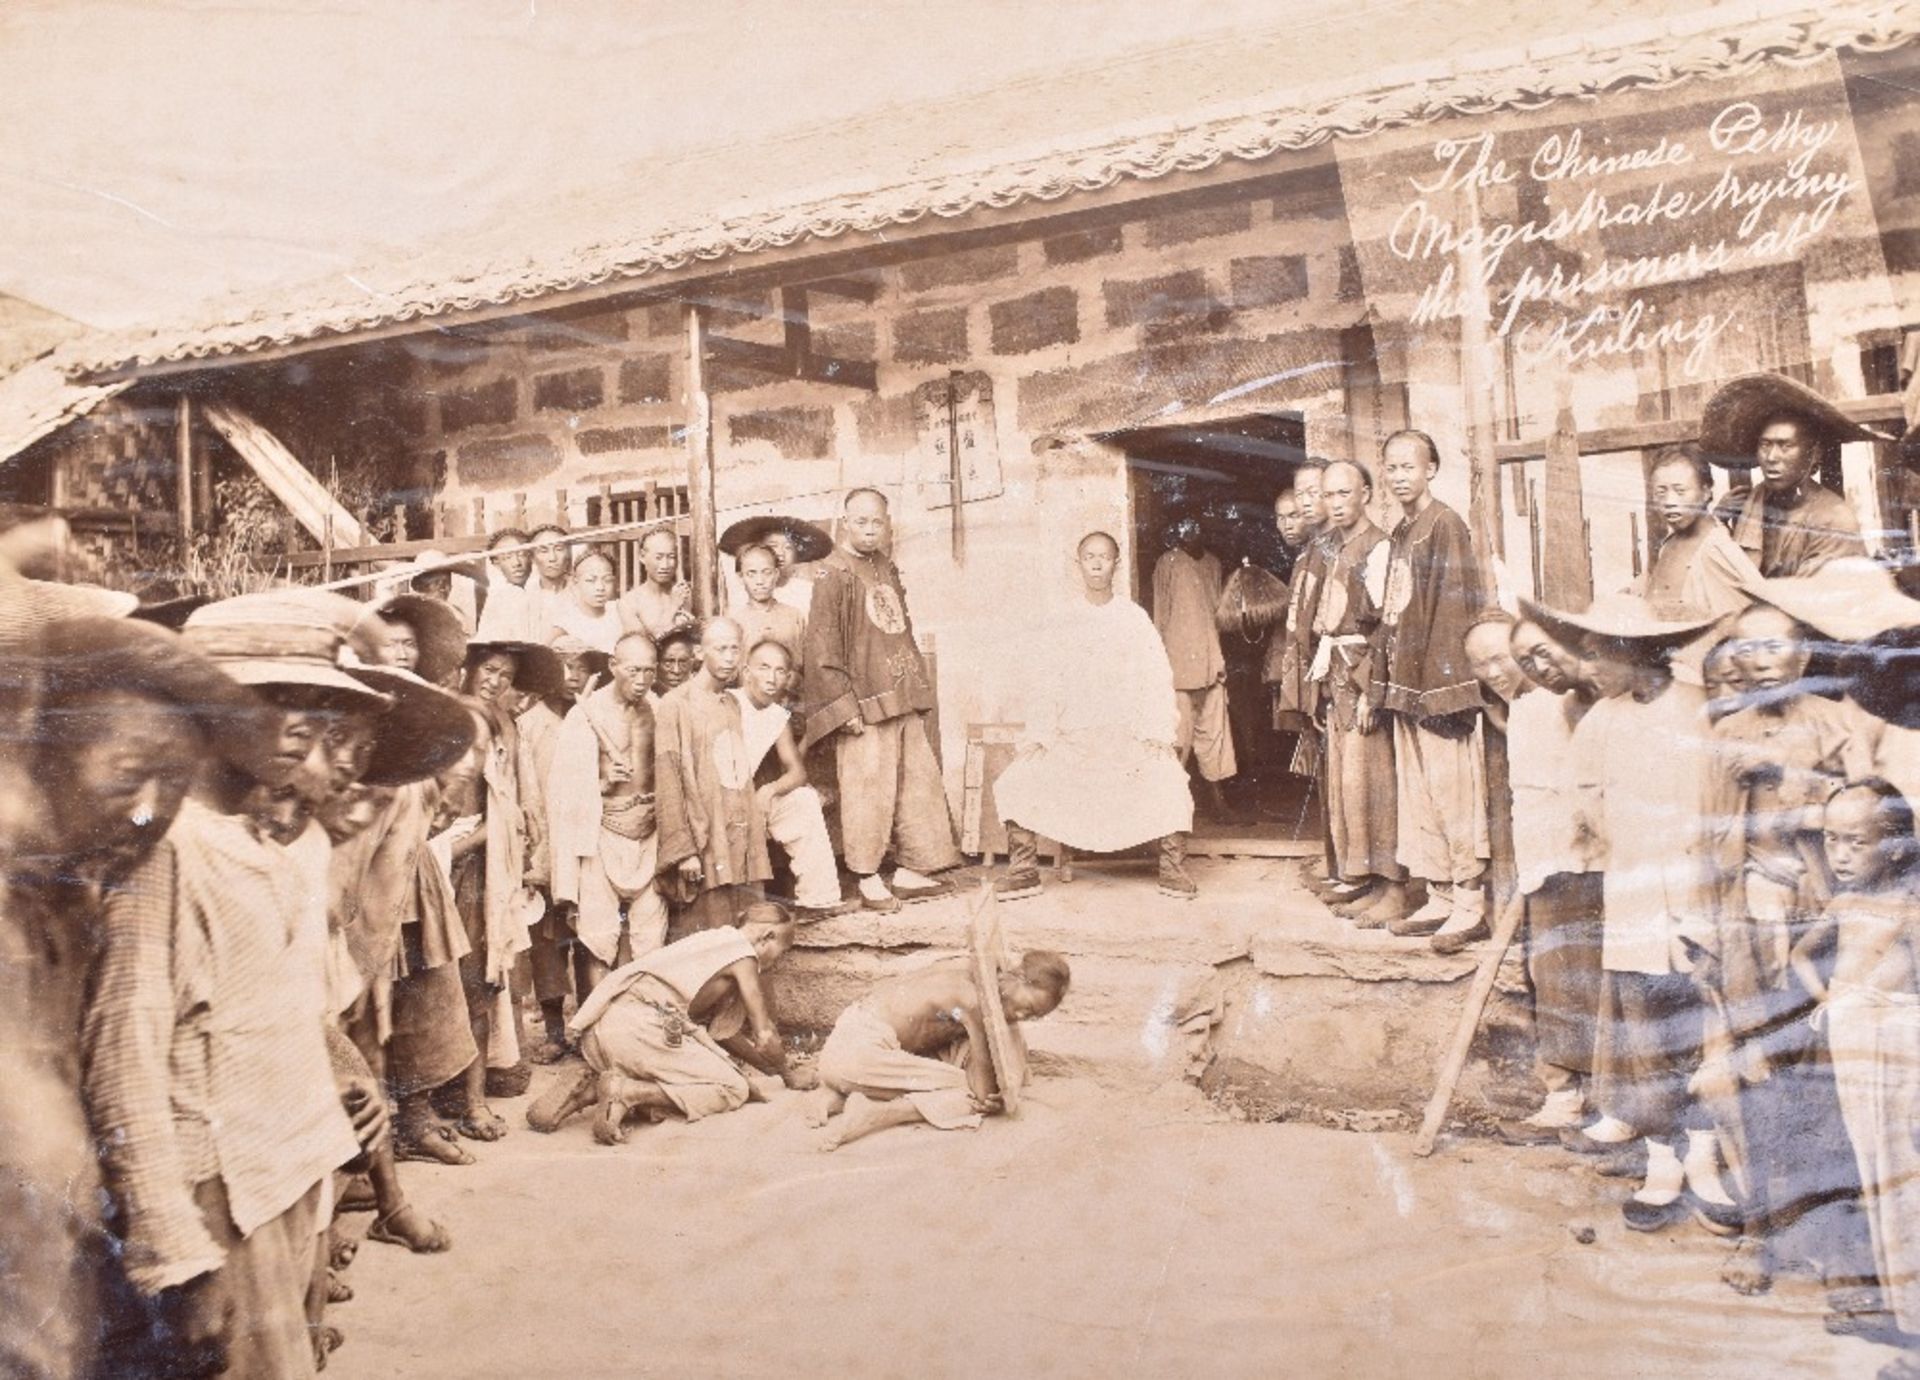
(1037, 688)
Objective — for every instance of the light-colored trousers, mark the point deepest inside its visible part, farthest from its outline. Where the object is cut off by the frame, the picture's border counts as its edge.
(798, 823)
(1442, 803)
(617, 891)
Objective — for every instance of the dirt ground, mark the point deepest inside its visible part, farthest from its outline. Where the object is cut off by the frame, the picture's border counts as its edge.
(1098, 1234)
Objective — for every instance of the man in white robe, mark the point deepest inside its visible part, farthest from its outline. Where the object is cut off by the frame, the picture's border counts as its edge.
(1099, 769)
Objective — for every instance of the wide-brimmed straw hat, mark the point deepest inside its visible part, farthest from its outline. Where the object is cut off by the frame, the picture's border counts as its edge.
(424, 730)
(810, 543)
(1849, 600)
(283, 637)
(437, 630)
(29, 607)
(81, 655)
(1734, 417)
(1618, 618)
(537, 669)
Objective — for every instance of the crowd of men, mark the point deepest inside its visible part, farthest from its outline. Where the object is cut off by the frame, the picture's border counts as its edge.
(285, 874)
(1694, 795)
(281, 885)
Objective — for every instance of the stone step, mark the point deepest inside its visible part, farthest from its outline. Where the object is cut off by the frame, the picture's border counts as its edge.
(1114, 910)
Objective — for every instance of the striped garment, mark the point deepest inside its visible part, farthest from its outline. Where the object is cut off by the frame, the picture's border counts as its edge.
(205, 1049)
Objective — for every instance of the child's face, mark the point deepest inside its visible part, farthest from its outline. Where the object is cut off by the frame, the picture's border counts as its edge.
(766, 678)
(759, 572)
(1724, 681)
(573, 674)
(1856, 850)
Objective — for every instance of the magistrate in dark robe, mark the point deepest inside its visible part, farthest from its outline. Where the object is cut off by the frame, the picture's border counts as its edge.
(867, 689)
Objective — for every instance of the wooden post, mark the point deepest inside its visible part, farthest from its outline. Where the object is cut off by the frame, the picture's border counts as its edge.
(519, 512)
(183, 464)
(560, 514)
(479, 517)
(956, 474)
(399, 522)
(1477, 380)
(439, 519)
(705, 573)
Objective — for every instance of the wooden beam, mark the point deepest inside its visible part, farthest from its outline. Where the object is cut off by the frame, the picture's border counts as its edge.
(1881, 408)
(864, 290)
(183, 461)
(780, 362)
(706, 558)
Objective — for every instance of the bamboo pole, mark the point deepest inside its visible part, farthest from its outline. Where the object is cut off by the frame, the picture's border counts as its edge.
(1504, 928)
(705, 573)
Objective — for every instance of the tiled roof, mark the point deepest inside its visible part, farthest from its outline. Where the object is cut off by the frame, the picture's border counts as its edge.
(1079, 133)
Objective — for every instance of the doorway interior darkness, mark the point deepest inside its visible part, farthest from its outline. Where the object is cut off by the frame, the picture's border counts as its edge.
(1226, 474)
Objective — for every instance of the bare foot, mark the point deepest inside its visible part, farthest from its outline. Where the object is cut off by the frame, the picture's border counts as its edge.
(338, 1290)
(340, 1250)
(823, 1102)
(481, 1124)
(411, 1228)
(1749, 1270)
(326, 1340)
(863, 1116)
(428, 1146)
(558, 1103)
(610, 1127)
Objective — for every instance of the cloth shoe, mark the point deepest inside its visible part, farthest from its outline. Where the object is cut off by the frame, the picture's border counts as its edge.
(1599, 1137)
(911, 886)
(1430, 917)
(875, 896)
(1467, 924)
(1175, 880)
(1563, 1108)
(1657, 1202)
(1712, 1207)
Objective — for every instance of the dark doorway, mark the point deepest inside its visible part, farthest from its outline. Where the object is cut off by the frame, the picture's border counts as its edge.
(1226, 475)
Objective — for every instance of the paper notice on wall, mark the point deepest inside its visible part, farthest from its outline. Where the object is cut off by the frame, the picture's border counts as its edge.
(1646, 241)
(951, 412)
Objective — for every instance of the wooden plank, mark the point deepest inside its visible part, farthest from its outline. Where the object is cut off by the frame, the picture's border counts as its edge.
(302, 495)
(1243, 846)
(705, 572)
(987, 950)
